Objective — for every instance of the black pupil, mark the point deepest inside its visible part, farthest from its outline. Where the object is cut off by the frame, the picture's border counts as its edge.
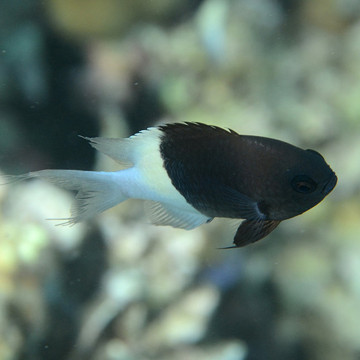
(303, 187)
(303, 184)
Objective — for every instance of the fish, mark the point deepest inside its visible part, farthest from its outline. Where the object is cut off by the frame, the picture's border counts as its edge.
(189, 173)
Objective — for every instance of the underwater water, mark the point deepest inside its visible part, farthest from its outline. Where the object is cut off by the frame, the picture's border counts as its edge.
(118, 288)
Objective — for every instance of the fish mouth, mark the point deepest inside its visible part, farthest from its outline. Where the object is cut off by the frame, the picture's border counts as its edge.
(330, 185)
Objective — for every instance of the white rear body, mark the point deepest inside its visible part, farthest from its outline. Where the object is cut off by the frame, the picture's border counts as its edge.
(143, 178)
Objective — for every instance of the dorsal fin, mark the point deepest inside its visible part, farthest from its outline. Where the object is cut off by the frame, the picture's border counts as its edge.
(117, 149)
(127, 151)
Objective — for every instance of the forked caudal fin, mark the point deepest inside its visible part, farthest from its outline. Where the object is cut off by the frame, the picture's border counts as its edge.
(96, 191)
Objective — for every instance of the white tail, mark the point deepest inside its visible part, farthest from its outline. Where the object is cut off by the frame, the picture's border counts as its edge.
(96, 191)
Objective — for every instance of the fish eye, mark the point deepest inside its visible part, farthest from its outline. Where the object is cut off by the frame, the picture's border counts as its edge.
(303, 184)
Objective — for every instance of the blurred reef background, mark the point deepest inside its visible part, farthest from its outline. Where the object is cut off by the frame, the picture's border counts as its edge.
(117, 288)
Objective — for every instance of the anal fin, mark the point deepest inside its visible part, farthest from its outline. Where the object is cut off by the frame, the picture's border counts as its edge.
(163, 214)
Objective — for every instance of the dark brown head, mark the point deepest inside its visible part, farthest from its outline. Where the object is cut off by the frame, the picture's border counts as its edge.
(293, 180)
(224, 174)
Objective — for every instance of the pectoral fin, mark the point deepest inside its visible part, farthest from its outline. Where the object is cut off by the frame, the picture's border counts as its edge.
(250, 231)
